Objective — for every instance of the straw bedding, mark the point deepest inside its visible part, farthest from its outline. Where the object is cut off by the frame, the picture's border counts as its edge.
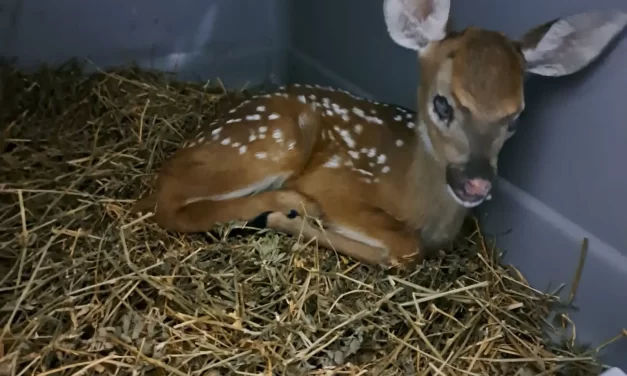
(88, 289)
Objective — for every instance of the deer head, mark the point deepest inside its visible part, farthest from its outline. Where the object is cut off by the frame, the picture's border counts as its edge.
(471, 87)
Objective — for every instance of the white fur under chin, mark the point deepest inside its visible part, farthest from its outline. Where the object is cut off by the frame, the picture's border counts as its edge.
(468, 205)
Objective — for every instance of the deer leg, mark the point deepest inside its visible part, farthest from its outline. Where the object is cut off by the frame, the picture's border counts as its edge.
(372, 237)
(203, 215)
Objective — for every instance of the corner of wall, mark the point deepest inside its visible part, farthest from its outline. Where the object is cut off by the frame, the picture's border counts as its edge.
(283, 40)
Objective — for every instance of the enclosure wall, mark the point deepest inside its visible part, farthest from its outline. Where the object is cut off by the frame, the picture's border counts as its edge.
(238, 41)
(562, 176)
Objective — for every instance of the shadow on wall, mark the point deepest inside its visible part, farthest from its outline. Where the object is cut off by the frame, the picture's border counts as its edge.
(199, 41)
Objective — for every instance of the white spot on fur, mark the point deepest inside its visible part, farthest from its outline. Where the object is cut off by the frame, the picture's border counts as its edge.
(261, 108)
(230, 121)
(371, 119)
(399, 143)
(364, 172)
(242, 149)
(291, 145)
(329, 112)
(274, 116)
(353, 154)
(192, 144)
(302, 99)
(385, 169)
(338, 110)
(253, 117)
(226, 141)
(398, 118)
(252, 138)
(411, 125)
(236, 144)
(381, 159)
(263, 129)
(201, 140)
(359, 112)
(261, 155)
(347, 138)
(375, 119)
(216, 131)
(277, 134)
(334, 162)
(372, 152)
(358, 128)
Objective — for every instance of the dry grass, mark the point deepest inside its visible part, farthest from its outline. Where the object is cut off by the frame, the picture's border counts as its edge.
(88, 289)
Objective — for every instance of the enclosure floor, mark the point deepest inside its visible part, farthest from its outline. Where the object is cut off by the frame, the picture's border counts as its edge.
(86, 287)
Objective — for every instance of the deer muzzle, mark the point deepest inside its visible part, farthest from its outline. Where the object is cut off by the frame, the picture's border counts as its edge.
(470, 183)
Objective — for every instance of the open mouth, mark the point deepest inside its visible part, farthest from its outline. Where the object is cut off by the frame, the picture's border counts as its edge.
(466, 200)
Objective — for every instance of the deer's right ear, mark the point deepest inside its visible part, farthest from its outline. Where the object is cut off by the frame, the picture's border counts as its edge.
(567, 45)
(414, 24)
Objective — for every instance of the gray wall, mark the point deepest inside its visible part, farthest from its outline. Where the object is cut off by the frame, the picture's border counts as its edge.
(238, 41)
(561, 178)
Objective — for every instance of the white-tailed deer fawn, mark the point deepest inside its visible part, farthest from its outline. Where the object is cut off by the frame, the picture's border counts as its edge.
(387, 183)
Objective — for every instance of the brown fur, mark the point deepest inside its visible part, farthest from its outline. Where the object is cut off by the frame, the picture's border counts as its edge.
(494, 58)
(342, 196)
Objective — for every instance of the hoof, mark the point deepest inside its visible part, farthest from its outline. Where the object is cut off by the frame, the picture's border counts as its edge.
(260, 221)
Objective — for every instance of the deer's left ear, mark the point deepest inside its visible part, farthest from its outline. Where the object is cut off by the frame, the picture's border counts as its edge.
(564, 46)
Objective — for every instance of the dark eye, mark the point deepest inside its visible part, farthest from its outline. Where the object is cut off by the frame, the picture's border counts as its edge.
(443, 109)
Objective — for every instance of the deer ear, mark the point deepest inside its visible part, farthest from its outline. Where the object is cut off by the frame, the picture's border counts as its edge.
(414, 24)
(564, 46)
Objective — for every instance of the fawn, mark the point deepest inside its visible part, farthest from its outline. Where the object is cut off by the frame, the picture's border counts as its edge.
(387, 183)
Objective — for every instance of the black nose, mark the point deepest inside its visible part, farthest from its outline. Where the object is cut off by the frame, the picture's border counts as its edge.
(478, 168)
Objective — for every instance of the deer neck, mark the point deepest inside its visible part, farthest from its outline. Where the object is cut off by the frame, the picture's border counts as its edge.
(438, 217)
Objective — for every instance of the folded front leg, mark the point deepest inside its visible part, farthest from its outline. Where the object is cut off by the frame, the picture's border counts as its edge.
(365, 234)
